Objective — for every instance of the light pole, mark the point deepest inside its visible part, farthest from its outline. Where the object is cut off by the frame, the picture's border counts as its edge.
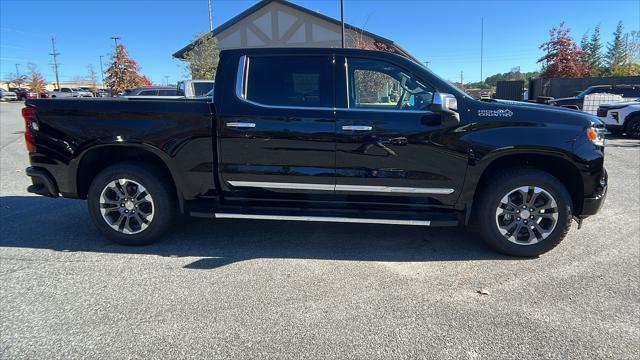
(210, 18)
(342, 20)
(115, 39)
(101, 71)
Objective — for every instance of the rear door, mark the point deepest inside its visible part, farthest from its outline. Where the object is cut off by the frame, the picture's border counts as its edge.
(391, 148)
(276, 135)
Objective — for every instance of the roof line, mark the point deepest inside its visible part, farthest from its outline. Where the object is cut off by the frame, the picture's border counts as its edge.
(180, 53)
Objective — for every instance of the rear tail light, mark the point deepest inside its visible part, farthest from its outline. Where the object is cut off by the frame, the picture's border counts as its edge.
(30, 125)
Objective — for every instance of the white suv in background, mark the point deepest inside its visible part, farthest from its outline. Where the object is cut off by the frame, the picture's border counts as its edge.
(622, 117)
(70, 92)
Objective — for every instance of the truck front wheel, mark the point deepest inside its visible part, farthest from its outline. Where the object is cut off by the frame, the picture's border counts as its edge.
(131, 204)
(633, 127)
(523, 212)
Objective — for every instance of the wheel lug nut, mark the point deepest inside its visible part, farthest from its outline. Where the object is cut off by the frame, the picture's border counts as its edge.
(525, 221)
(531, 217)
(518, 219)
(121, 205)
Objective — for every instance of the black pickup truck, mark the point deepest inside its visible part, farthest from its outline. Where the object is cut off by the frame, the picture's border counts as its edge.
(334, 135)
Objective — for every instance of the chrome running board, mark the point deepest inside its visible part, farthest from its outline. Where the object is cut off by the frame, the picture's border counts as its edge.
(323, 219)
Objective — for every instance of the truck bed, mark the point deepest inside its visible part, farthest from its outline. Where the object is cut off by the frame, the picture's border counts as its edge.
(179, 132)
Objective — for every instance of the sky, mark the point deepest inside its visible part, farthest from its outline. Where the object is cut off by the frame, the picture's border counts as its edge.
(444, 33)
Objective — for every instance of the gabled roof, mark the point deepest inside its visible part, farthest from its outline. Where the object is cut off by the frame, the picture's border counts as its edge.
(180, 53)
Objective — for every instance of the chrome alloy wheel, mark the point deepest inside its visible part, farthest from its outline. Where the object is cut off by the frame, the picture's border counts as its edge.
(527, 215)
(126, 206)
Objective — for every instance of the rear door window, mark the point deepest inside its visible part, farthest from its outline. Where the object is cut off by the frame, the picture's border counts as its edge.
(290, 81)
(200, 89)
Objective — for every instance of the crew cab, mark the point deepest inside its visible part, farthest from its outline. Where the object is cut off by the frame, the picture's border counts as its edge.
(329, 135)
(621, 117)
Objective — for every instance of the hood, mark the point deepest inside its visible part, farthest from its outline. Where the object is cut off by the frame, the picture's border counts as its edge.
(533, 112)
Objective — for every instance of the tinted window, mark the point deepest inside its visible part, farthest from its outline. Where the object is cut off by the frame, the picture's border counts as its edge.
(147, 93)
(628, 92)
(290, 81)
(200, 89)
(167, 92)
(375, 84)
(65, 90)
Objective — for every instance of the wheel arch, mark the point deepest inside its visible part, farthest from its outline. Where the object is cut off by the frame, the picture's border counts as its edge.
(99, 157)
(561, 168)
(631, 116)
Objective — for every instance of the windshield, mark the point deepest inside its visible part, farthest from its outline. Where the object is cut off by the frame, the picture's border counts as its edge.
(454, 89)
(585, 92)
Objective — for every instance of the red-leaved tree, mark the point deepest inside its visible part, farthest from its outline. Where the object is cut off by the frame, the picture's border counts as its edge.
(564, 58)
(37, 83)
(123, 72)
(145, 81)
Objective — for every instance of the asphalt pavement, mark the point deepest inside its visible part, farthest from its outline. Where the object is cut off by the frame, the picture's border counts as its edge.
(253, 289)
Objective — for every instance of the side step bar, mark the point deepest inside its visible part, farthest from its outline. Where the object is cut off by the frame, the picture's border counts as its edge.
(323, 219)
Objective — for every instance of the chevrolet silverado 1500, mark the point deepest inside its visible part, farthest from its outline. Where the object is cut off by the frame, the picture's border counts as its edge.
(334, 135)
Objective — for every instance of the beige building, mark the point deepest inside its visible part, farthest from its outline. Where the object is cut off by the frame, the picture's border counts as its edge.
(279, 23)
(52, 86)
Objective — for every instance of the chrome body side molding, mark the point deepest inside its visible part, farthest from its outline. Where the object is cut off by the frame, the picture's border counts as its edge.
(323, 219)
(338, 187)
(277, 185)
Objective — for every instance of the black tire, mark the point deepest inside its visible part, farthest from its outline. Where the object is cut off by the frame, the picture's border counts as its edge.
(161, 192)
(502, 184)
(633, 127)
(616, 132)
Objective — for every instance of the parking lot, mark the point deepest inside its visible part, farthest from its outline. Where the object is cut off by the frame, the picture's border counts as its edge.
(253, 289)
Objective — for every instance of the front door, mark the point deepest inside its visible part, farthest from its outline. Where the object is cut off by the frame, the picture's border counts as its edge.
(391, 148)
(279, 140)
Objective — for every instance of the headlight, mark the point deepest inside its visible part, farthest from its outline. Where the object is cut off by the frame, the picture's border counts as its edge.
(596, 135)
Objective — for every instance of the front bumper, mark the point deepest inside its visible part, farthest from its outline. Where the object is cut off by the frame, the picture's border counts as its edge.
(591, 205)
(43, 183)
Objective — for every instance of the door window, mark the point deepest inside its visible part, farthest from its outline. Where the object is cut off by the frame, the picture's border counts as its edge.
(300, 81)
(374, 84)
(171, 92)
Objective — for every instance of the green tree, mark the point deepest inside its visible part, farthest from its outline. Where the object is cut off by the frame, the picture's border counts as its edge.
(594, 53)
(617, 49)
(202, 60)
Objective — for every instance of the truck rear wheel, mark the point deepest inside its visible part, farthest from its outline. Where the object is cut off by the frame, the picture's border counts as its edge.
(131, 204)
(523, 212)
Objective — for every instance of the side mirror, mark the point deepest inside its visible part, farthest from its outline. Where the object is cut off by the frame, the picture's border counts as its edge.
(447, 106)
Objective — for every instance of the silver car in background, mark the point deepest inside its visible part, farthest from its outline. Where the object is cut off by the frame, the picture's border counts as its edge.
(7, 95)
(67, 92)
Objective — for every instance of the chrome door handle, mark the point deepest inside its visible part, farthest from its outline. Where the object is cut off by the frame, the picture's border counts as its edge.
(241, 125)
(357, 127)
